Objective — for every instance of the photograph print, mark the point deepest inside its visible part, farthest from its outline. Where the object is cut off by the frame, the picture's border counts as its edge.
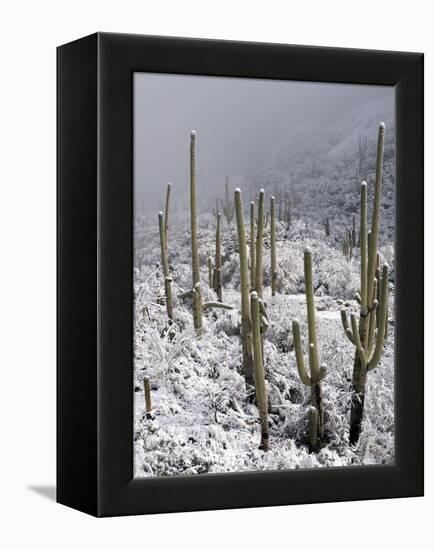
(264, 227)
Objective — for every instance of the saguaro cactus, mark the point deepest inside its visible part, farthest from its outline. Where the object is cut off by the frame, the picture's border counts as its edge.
(210, 273)
(227, 204)
(166, 214)
(165, 264)
(260, 245)
(347, 245)
(287, 212)
(317, 373)
(353, 233)
(197, 308)
(217, 279)
(295, 199)
(197, 311)
(261, 392)
(252, 246)
(216, 210)
(147, 393)
(246, 325)
(368, 335)
(273, 247)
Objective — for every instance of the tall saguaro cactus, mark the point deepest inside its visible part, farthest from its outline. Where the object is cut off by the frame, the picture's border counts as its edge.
(210, 273)
(246, 326)
(166, 214)
(197, 311)
(227, 204)
(165, 264)
(261, 392)
(252, 246)
(217, 279)
(273, 247)
(354, 233)
(317, 373)
(368, 334)
(260, 245)
(287, 210)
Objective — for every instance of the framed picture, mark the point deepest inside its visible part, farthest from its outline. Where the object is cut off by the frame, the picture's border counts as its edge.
(240, 274)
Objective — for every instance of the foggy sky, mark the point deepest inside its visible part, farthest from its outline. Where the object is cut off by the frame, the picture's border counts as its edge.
(236, 120)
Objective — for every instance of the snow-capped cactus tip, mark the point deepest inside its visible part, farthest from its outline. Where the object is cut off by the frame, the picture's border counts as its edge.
(193, 133)
(160, 214)
(261, 191)
(237, 190)
(363, 184)
(307, 250)
(382, 125)
(254, 294)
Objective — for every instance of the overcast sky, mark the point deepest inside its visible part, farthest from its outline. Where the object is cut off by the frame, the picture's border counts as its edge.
(235, 120)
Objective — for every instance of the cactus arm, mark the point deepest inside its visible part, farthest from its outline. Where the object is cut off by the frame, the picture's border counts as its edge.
(371, 333)
(217, 305)
(347, 329)
(358, 298)
(363, 245)
(357, 341)
(187, 294)
(386, 325)
(376, 212)
(376, 356)
(262, 308)
(369, 244)
(372, 322)
(304, 377)
(264, 322)
(322, 372)
(273, 247)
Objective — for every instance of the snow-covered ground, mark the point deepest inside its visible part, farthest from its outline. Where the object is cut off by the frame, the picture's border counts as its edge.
(203, 420)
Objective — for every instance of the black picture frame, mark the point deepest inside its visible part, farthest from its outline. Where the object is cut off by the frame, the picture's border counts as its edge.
(95, 262)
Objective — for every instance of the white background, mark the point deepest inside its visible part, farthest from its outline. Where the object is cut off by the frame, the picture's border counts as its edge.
(30, 31)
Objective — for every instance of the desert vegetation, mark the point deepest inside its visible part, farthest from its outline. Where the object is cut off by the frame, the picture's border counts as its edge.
(237, 306)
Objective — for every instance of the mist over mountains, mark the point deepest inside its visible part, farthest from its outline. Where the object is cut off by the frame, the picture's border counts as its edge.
(260, 133)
